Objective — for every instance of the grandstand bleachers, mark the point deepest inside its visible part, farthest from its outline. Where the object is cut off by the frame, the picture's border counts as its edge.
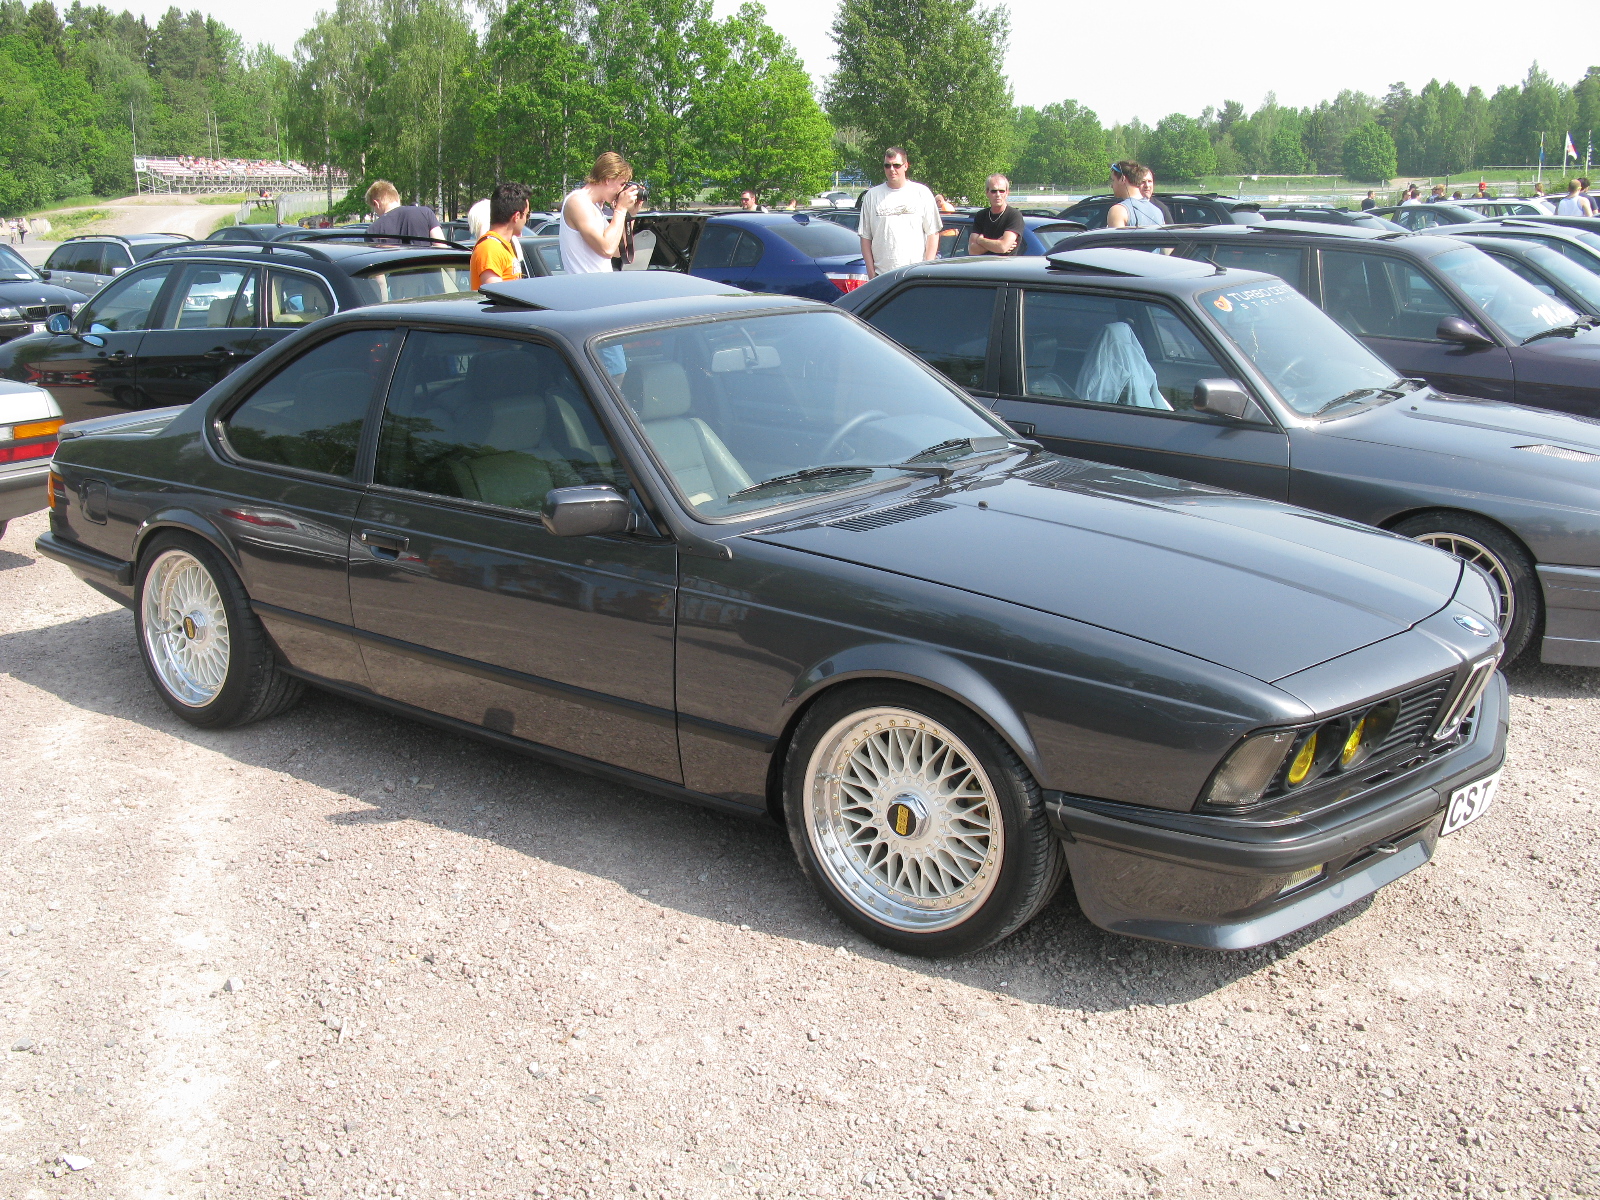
(186, 175)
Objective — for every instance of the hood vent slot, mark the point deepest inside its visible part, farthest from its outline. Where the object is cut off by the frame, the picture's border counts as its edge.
(1561, 452)
(1054, 472)
(890, 516)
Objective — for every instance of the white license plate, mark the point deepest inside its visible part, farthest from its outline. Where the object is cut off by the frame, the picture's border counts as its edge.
(1469, 803)
(38, 327)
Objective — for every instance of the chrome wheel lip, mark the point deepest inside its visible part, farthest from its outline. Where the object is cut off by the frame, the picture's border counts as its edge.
(185, 628)
(1475, 552)
(955, 837)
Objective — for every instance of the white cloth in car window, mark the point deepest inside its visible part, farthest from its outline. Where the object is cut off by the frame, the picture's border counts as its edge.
(1116, 371)
(703, 467)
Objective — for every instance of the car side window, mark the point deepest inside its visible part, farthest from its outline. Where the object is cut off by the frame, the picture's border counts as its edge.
(1524, 272)
(489, 419)
(1286, 262)
(1186, 212)
(115, 257)
(715, 251)
(210, 297)
(551, 257)
(1110, 350)
(1374, 295)
(127, 303)
(953, 240)
(309, 415)
(749, 250)
(80, 258)
(946, 327)
(295, 300)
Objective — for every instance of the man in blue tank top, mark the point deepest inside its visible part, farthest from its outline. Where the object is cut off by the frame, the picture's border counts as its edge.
(1131, 210)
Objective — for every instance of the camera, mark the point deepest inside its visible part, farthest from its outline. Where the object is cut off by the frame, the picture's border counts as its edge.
(641, 190)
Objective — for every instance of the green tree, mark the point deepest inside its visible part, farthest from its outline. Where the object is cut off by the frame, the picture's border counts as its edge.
(763, 129)
(1179, 149)
(1369, 154)
(927, 75)
(1063, 144)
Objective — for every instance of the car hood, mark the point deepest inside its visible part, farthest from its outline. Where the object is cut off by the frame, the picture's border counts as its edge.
(1490, 432)
(25, 291)
(1584, 349)
(1253, 585)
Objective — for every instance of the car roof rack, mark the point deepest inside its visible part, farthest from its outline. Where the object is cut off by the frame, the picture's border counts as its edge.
(363, 236)
(125, 238)
(260, 248)
(567, 293)
(1128, 263)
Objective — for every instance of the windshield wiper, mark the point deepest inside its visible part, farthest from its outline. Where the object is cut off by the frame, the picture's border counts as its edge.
(800, 477)
(1571, 329)
(1393, 392)
(974, 445)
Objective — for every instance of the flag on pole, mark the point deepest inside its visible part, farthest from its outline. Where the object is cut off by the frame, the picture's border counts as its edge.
(1568, 149)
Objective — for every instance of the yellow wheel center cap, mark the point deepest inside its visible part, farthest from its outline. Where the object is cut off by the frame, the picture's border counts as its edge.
(907, 816)
(190, 629)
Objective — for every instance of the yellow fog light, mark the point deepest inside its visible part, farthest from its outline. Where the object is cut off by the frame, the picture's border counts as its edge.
(1352, 744)
(1301, 877)
(1300, 767)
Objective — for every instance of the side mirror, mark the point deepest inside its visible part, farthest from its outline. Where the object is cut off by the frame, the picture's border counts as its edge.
(44, 273)
(585, 511)
(118, 270)
(1455, 329)
(1224, 398)
(59, 323)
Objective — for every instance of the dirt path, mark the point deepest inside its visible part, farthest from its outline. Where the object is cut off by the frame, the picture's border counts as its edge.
(340, 955)
(154, 214)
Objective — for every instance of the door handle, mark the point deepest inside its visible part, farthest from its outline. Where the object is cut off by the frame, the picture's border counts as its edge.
(116, 356)
(218, 352)
(384, 545)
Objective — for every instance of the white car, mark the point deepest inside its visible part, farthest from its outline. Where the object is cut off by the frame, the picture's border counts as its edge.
(834, 200)
(30, 421)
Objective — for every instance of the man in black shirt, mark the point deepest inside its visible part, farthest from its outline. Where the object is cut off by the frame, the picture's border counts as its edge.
(406, 220)
(998, 228)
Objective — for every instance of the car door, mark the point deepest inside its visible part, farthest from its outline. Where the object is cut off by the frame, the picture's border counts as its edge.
(950, 326)
(75, 265)
(288, 496)
(211, 323)
(1112, 378)
(1393, 306)
(91, 370)
(720, 244)
(467, 606)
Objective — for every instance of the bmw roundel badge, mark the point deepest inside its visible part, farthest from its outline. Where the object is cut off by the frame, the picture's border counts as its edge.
(1472, 625)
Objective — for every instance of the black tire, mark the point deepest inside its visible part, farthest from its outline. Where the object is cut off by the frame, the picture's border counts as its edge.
(1502, 556)
(252, 686)
(1020, 879)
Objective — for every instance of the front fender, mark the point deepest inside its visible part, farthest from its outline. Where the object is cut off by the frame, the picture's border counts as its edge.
(928, 667)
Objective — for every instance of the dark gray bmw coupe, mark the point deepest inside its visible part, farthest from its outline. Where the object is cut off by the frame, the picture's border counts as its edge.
(744, 551)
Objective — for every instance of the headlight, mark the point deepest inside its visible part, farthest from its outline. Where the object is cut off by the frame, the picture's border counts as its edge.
(10, 314)
(1282, 761)
(73, 309)
(1249, 769)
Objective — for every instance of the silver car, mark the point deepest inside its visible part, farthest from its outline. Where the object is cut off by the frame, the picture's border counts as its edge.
(86, 264)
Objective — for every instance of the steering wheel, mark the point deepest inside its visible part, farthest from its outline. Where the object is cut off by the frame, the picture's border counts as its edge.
(849, 427)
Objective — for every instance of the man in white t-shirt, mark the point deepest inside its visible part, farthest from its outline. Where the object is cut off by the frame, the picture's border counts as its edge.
(900, 220)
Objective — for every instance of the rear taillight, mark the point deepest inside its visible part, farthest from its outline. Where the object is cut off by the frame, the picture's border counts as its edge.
(56, 492)
(30, 439)
(846, 283)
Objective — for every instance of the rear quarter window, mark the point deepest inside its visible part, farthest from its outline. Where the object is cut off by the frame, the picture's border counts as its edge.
(818, 238)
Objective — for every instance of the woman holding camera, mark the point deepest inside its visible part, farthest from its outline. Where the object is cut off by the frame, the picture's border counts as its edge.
(588, 240)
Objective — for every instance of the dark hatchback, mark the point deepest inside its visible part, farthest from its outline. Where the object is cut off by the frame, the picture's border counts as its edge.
(1538, 263)
(27, 301)
(1126, 358)
(1430, 306)
(166, 331)
(742, 550)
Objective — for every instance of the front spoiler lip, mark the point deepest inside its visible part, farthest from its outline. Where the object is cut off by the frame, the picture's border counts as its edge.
(1152, 847)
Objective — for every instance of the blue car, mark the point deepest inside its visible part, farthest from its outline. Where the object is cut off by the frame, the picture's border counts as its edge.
(793, 253)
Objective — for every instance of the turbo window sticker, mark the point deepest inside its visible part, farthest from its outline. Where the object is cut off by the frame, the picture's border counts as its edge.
(1252, 297)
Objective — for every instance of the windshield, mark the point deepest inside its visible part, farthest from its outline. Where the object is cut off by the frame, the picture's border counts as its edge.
(729, 404)
(817, 239)
(1307, 357)
(1518, 307)
(1583, 284)
(414, 282)
(14, 266)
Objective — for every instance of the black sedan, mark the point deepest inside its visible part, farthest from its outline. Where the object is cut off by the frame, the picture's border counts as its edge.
(165, 331)
(1162, 364)
(1546, 268)
(26, 300)
(741, 550)
(1421, 217)
(1430, 306)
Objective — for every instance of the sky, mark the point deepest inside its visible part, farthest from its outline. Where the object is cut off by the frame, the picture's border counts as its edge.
(1155, 57)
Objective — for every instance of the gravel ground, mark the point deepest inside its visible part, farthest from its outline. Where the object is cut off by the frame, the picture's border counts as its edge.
(338, 954)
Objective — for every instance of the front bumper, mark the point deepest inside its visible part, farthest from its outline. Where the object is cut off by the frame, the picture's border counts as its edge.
(22, 489)
(1218, 883)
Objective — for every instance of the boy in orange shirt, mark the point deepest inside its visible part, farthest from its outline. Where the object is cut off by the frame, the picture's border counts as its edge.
(494, 258)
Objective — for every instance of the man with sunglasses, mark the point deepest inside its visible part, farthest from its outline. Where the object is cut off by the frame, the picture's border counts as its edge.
(998, 228)
(1131, 210)
(900, 221)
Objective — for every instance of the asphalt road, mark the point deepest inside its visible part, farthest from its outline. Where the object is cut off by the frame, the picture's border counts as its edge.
(338, 954)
